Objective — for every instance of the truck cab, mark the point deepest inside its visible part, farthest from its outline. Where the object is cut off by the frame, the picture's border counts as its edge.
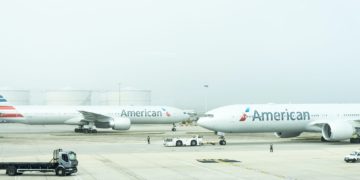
(66, 162)
(352, 157)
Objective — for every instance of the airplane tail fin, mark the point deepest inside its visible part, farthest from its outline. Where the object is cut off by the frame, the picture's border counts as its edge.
(7, 111)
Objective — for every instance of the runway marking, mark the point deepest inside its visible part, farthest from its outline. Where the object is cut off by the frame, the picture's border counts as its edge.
(217, 161)
(222, 173)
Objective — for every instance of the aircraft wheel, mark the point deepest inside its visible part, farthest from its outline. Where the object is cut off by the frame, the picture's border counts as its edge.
(222, 142)
(173, 129)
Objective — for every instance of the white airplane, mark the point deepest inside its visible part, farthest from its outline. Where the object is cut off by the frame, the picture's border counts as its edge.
(91, 117)
(336, 122)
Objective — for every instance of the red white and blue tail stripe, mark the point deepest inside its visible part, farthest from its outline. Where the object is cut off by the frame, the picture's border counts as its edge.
(7, 111)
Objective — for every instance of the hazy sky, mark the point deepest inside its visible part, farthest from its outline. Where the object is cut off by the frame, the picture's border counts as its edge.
(247, 51)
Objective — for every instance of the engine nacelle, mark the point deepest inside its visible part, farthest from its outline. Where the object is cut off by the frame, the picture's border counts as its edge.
(337, 131)
(287, 134)
(120, 124)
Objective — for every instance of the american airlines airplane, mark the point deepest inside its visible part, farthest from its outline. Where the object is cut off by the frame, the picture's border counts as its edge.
(88, 118)
(336, 122)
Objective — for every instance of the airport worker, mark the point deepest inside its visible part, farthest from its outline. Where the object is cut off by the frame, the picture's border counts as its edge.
(271, 148)
(148, 139)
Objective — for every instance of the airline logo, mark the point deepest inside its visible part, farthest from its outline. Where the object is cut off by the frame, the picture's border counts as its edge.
(281, 116)
(244, 116)
(7, 111)
(166, 112)
(145, 113)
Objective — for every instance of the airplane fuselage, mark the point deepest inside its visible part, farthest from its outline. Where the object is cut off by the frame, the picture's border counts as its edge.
(278, 117)
(47, 115)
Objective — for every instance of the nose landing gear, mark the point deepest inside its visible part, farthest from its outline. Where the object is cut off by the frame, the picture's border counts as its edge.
(173, 128)
(222, 141)
(222, 138)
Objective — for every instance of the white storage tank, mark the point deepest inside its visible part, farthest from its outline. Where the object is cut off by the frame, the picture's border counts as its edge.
(128, 97)
(16, 97)
(68, 97)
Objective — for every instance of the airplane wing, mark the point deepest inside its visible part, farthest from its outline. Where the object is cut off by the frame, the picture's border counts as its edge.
(94, 117)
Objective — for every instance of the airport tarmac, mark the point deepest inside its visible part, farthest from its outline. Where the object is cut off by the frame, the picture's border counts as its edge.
(126, 154)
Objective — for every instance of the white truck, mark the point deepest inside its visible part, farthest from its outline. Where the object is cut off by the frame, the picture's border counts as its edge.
(352, 157)
(177, 141)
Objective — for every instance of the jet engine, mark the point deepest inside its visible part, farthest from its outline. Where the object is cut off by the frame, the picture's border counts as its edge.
(287, 134)
(120, 124)
(337, 131)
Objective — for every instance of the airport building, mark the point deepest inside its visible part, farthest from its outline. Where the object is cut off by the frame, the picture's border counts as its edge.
(126, 96)
(75, 97)
(68, 97)
(15, 96)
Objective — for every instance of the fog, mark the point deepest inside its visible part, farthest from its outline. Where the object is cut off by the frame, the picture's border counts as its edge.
(245, 51)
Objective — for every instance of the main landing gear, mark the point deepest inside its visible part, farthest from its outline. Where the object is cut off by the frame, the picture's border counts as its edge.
(81, 129)
(173, 128)
(356, 137)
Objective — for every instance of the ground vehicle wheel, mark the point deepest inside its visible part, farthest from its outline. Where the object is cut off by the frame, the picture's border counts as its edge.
(179, 143)
(11, 171)
(193, 143)
(93, 131)
(173, 129)
(60, 171)
(353, 160)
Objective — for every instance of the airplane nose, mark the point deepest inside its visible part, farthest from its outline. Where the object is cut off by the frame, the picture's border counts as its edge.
(204, 122)
(200, 122)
